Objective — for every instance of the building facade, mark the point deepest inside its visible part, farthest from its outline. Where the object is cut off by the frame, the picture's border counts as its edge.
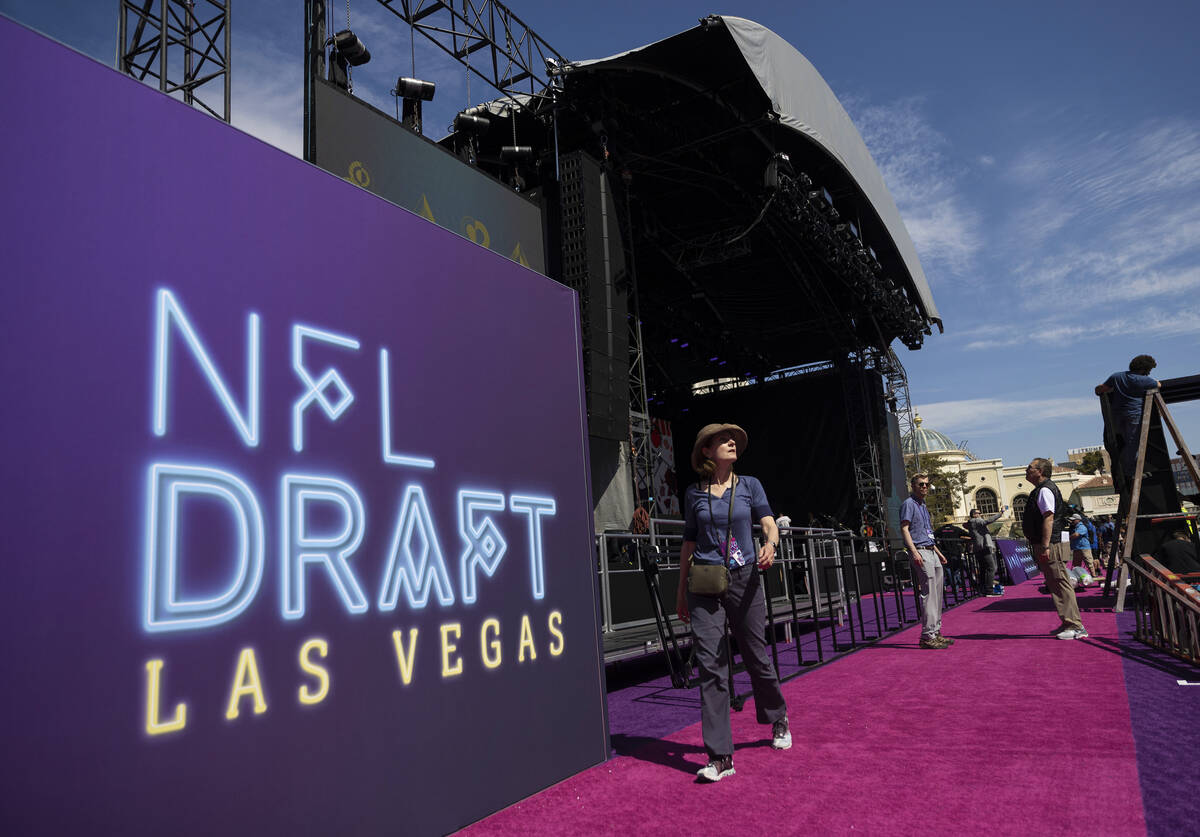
(989, 485)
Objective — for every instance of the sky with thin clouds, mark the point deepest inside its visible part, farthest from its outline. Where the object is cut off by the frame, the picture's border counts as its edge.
(1045, 157)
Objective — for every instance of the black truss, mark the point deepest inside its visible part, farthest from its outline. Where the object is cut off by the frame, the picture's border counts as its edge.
(517, 59)
(183, 45)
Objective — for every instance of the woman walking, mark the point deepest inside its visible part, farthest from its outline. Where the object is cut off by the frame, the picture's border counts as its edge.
(719, 512)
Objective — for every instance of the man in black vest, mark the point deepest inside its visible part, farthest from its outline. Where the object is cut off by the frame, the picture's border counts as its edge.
(1043, 527)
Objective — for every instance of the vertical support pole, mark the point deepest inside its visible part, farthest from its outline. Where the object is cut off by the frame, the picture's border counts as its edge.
(314, 68)
(228, 60)
(163, 40)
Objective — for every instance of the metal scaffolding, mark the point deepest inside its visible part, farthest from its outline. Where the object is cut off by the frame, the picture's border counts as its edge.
(517, 59)
(868, 470)
(183, 45)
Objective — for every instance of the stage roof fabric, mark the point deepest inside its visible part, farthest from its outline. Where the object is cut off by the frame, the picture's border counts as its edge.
(802, 101)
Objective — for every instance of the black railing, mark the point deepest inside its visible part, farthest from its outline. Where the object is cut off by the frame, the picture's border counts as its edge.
(833, 587)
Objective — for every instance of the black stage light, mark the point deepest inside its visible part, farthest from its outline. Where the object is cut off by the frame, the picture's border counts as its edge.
(779, 164)
(415, 88)
(847, 231)
(821, 197)
(468, 123)
(515, 153)
(347, 45)
(414, 91)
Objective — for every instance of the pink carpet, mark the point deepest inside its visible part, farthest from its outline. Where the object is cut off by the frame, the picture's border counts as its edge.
(1001, 733)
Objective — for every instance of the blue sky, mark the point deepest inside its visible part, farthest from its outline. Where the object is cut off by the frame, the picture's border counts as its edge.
(1045, 157)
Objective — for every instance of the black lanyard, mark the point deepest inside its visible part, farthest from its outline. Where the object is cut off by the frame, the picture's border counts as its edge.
(729, 522)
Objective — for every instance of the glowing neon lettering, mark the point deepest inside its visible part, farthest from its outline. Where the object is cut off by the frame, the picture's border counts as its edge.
(153, 725)
(526, 641)
(308, 697)
(165, 608)
(490, 643)
(405, 657)
(316, 388)
(385, 421)
(300, 547)
(416, 572)
(555, 623)
(485, 546)
(246, 683)
(170, 311)
(536, 508)
(451, 667)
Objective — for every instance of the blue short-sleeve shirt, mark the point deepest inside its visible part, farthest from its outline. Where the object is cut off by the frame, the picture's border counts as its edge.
(919, 524)
(708, 529)
(1129, 393)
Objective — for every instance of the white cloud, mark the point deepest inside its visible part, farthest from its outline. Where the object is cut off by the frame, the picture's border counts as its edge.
(268, 95)
(1056, 330)
(912, 156)
(1108, 231)
(985, 416)
(987, 160)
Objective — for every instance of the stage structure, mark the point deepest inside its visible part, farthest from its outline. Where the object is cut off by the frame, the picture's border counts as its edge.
(722, 221)
(183, 45)
(760, 235)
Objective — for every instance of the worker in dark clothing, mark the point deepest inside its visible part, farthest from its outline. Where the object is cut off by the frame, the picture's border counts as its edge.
(1178, 554)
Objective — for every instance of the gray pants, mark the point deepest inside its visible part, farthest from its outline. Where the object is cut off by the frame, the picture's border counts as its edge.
(928, 584)
(746, 609)
(987, 569)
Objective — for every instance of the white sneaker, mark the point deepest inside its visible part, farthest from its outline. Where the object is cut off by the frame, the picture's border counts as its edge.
(1072, 633)
(716, 770)
(781, 736)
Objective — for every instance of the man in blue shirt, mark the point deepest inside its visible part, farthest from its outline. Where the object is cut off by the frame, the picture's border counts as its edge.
(1094, 543)
(927, 562)
(1126, 396)
(1081, 546)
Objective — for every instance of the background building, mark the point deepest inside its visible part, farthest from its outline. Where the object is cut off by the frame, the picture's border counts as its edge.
(989, 484)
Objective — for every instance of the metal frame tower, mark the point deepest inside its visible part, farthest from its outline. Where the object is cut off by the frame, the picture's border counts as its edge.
(183, 44)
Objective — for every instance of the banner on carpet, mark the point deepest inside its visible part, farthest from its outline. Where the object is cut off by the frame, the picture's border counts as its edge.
(1018, 559)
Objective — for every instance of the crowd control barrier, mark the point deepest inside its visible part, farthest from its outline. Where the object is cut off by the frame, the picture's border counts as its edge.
(838, 588)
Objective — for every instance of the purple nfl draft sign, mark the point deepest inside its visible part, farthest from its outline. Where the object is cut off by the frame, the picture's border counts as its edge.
(297, 534)
(1018, 559)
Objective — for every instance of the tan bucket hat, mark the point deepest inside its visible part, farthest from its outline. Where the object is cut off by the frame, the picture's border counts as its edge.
(710, 430)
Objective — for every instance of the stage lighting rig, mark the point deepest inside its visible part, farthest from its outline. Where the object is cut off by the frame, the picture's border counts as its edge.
(471, 123)
(348, 51)
(347, 45)
(822, 198)
(516, 156)
(780, 165)
(413, 91)
(468, 127)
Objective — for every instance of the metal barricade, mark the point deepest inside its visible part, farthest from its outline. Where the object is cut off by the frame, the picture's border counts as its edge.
(1166, 608)
(831, 590)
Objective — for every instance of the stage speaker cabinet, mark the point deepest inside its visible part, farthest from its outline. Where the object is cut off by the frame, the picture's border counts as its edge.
(593, 264)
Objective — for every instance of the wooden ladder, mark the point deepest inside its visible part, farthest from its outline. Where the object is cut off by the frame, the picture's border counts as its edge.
(1154, 401)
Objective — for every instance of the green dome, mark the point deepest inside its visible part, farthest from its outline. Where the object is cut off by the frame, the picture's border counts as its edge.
(928, 441)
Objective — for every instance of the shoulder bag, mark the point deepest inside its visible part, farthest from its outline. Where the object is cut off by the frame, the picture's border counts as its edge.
(713, 579)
